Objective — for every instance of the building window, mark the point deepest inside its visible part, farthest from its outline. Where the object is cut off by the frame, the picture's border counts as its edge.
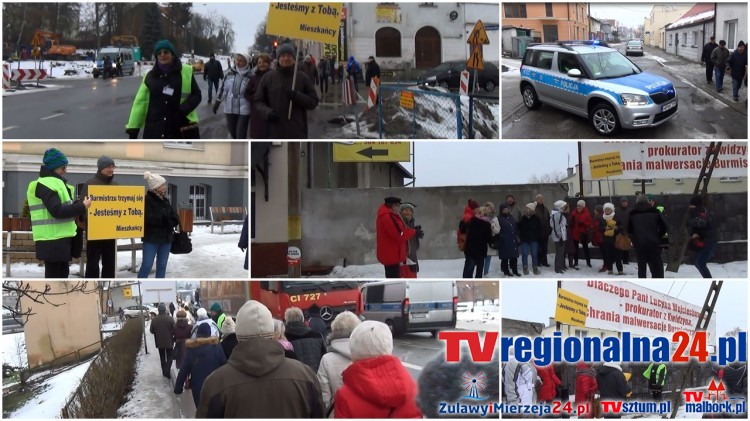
(548, 9)
(427, 5)
(515, 10)
(670, 40)
(388, 42)
(197, 200)
(184, 145)
(729, 180)
(647, 181)
(550, 33)
(678, 181)
(731, 33)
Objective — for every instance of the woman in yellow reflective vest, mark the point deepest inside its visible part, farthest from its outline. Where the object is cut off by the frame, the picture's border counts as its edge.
(165, 104)
(53, 214)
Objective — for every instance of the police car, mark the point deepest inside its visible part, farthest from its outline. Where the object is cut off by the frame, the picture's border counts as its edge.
(598, 83)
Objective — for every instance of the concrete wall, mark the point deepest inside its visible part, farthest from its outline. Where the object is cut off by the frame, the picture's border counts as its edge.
(56, 331)
(339, 224)
(727, 12)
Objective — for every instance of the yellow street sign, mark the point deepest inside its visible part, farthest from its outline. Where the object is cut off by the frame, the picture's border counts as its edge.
(371, 152)
(605, 165)
(127, 292)
(476, 60)
(478, 35)
(116, 212)
(37, 41)
(407, 99)
(571, 309)
(309, 21)
(36, 52)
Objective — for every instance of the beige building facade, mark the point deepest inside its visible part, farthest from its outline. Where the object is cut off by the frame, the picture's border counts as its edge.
(654, 33)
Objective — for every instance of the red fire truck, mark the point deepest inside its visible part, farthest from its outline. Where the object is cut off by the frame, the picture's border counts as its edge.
(332, 297)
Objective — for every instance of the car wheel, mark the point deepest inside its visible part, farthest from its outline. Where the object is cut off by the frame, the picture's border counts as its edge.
(530, 99)
(604, 119)
(489, 86)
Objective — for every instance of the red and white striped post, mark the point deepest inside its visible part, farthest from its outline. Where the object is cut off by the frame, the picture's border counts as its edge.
(372, 96)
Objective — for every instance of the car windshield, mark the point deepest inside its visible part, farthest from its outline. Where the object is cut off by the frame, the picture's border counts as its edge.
(634, 43)
(609, 65)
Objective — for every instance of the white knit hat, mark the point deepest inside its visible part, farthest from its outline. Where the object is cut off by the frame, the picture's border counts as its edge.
(581, 203)
(154, 180)
(370, 339)
(254, 320)
(531, 205)
(608, 205)
(228, 326)
(560, 204)
(202, 313)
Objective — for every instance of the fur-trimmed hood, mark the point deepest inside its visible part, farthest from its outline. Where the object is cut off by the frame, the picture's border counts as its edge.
(195, 343)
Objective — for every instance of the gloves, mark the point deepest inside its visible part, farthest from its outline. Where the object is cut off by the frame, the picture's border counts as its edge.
(132, 133)
(216, 106)
(420, 233)
(291, 94)
(273, 116)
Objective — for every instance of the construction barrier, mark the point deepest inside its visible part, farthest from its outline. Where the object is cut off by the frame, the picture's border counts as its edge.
(372, 96)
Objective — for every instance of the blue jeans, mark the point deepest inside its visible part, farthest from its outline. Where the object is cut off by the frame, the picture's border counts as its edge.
(160, 251)
(702, 258)
(736, 85)
(534, 249)
(487, 260)
(212, 84)
(719, 76)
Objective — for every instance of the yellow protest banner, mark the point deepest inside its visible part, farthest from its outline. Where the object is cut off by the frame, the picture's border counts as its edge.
(571, 309)
(116, 212)
(605, 165)
(127, 292)
(310, 21)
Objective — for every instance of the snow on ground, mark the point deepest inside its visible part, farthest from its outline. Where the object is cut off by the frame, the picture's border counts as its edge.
(54, 392)
(77, 69)
(213, 256)
(152, 394)
(485, 317)
(453, 268)
(14, 350)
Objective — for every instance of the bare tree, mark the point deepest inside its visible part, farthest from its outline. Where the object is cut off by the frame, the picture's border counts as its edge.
(40, 293)
(550, 177)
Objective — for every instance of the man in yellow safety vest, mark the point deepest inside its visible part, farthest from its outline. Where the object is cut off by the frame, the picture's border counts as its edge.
(53, 214)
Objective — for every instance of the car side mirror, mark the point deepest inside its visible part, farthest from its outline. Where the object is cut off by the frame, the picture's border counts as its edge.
(574, 73)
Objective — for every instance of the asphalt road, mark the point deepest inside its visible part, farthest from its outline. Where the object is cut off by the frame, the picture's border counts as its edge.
(415, 350)
(700, 115)
(86, 109)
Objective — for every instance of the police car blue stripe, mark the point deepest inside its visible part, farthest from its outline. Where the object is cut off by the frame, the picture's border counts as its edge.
(569, 84)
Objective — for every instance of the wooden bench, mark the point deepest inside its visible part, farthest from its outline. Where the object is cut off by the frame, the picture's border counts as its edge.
(227, 215)
(8, 250)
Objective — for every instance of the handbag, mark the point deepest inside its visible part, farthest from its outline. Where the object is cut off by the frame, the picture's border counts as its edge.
(191, 131)
(622, 242)
(181, 243)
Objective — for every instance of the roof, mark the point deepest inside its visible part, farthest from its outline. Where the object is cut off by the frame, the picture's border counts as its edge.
(699, 13)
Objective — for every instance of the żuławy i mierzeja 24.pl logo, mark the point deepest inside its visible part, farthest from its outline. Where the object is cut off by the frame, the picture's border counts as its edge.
(473, 402)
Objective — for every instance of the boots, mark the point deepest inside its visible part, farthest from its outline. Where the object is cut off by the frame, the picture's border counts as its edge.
(536, 270)
(525, 270)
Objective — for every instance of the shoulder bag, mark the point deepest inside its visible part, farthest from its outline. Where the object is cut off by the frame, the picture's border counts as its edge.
(181, 243)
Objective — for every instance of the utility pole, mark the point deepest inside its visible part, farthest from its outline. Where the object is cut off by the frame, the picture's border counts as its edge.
(294, 222)
(143, 319)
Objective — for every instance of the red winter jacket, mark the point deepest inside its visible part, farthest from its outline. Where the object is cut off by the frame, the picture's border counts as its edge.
(550, 381)
(582, 222)
(377, 387)
(392, 237)
(585, 386)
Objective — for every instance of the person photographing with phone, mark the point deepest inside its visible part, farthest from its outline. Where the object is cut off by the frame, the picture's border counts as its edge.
(53, 214)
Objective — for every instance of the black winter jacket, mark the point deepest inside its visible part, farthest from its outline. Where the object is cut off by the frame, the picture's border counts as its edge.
(611, 382)
(165, 113)
(309, 346)
(373, 70)
(160, 220)
(737, 62)
(707, 49)
(646, 226)
(56, 250)
(478, 237)
(700, 222)
(213, 70)
(529, 228)
(271, 96)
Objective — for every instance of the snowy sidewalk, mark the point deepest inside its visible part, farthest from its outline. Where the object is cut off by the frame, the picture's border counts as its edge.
(153, 395)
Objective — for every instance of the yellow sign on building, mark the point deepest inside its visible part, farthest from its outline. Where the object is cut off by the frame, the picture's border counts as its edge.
(127, 292)
(407, 99)
(372, 152)
(309, 21)
(605, 165)
(571, 309)
(116, 212)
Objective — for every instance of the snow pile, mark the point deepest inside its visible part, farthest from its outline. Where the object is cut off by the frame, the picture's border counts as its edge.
(453, 268)
(213, 256)
(49, 400)
(485, 317)
(78, 69)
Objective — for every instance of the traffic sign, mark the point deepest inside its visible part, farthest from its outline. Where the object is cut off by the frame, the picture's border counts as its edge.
(407, 99)
(463, 87)
(371, 152)
(28, 74)
(478, 35)
(476, 59)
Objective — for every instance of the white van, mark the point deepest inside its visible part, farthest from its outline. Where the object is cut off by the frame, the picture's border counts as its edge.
(411, 306)
(128, 65)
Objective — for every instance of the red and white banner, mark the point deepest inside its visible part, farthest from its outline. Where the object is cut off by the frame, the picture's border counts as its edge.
(372, 96)
(28, 74)
(662, 159)
(627, 307)
(463, 87)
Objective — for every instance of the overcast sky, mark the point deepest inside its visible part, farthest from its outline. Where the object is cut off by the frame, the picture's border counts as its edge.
(731, 306)
(245, 18)
(465, 163)
(627, 14)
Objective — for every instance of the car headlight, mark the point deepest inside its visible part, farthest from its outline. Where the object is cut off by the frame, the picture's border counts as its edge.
(633, 99)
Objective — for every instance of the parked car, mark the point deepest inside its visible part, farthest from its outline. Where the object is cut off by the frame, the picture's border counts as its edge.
(197, 64)
(598, 83)
(448, 75)
(634, 47)
(135, 311)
